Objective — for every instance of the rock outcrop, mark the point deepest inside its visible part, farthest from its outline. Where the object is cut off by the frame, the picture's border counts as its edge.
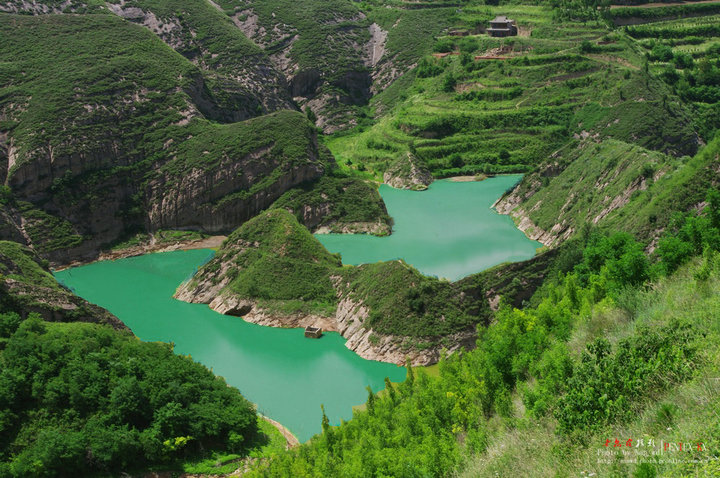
(349, 321)
(26, 286)
(273, 272)
(408, 173)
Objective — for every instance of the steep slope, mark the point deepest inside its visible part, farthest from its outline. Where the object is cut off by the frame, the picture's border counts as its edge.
(272, 271)
(239, 77)
(339, 203)
(112, 139)
(336, 54)
(483, 105)
(612, 367)
(634, 189)
(26, 286)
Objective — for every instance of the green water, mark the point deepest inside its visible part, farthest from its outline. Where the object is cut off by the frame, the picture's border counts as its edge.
(447, 231)
(287, 375)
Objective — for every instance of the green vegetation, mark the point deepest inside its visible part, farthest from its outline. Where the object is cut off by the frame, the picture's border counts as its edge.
(160, 237)
(27, 286)
(266, 444)
(404, 302)
(77, 398)
(21, 263)
(642, 15)
(322, 45)
(594, 339)
(636, 196)
(583, 360)
(685, 53)
(289, 264)
(276, 261)
(135, 130)
(464, 116)
(348, 200)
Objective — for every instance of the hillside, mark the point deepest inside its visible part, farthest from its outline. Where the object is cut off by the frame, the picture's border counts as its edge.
(137, 150)
(621, 349)
(27, 287)
(272, 271)
(337, 54)
(483, 105)
(79, 394)
(126, 121)
(635, 195)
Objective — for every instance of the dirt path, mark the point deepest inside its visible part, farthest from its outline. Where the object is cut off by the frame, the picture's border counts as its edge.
(291, 440)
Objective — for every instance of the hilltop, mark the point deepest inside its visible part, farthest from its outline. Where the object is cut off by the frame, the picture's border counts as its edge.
(132, 136)
(272, 271)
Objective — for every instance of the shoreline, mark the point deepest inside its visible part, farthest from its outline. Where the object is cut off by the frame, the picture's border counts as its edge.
(290, 439)
(468, 179)
(210, 242)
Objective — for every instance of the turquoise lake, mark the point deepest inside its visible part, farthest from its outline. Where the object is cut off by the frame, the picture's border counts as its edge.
(285, 374)
(448, 231)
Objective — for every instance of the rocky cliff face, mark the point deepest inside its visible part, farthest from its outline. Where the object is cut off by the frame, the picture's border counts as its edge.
(408, 173)
(246, 82)
(272, 271)
(83, 168)
(349, 321)
(209, 200)
(327, 53)
(26, 286)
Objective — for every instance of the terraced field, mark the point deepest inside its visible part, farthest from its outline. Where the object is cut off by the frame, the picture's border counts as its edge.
(685, 53)
(483, 105)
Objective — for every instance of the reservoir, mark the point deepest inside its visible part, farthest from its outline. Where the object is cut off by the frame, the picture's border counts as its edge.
(448, 231)
(285, 374)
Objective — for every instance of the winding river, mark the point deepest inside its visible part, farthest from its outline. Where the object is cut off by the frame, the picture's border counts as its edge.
(449, 231)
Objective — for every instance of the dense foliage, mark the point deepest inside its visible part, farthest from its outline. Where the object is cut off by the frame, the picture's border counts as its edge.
(275, 261)
(78, 398)
(604, 385)
(274, 258)
(395, 292)
(425, 425)
(464, 114)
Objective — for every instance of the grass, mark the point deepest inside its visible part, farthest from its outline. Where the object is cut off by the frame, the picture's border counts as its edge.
(136, 123)
(277, 262)
(684, 413)
(681, 56)
(266, 444)
(347, 200)
(462, 116)
(612, 169)
(324, 43)
(21, 263)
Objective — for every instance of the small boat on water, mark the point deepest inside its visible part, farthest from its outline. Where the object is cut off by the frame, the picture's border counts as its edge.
(313, 332)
